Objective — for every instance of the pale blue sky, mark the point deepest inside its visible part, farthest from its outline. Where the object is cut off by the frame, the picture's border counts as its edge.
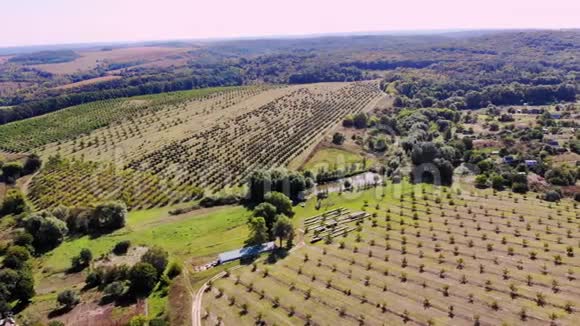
(25, 22)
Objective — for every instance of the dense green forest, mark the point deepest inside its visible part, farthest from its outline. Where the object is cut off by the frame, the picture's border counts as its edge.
(464, 70)
(43, 57)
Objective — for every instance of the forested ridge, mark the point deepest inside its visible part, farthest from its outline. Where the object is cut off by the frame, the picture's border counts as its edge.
(463, 70)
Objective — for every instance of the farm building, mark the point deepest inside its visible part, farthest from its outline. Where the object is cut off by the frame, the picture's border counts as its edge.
(530, 163)
(555, 115)
(508, 159)
(553, 143)
(246, 252)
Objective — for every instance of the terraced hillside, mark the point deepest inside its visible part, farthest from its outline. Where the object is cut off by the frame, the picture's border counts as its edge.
(183, 140)
(429, 257)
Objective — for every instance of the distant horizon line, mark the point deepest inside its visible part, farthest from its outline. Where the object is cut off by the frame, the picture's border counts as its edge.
(394, 32)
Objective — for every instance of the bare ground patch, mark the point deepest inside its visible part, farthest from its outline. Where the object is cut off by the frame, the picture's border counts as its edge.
(132, 257)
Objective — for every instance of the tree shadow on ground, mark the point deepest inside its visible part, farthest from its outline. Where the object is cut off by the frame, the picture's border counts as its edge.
(121, 301)
(59, 312)
(276, 254)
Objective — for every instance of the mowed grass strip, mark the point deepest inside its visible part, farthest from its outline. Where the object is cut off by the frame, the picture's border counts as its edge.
(333, 158)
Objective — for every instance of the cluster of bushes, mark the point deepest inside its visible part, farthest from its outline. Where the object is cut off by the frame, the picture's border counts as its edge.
(101, 218)
(562, 175)
(47, 229)
(10, 172)
(324, 175)
(139, 280)
(16, 275)
(432, 163)
(219, 200)
(14, 203)
(292, 184)
(270, 220)
(360, 120)
(518, 182)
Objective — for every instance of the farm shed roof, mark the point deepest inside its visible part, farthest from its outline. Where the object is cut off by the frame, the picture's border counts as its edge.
(246, 251)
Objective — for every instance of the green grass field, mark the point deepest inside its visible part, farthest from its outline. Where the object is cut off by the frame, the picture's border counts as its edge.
(332, 159)
(192, 235)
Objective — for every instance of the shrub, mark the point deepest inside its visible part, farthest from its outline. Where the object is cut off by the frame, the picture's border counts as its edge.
(68, 299)
(142, 277)
(338, 138)
(157, 257)
(138, 320)
(16, 257)
(481, 181)
(174, 270)
(47, 230)
(121, 247)
(520, 187)
(11, 172)
(115, 289)
(497, 182)
(14, 203)
(108, 217)
(23, 239)
(82, 261)
(32, 164)
(56, 323)
(95, 278)
(552, 196)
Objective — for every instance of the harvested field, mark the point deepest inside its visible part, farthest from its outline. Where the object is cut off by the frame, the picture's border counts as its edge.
(88, 82)
(431, 256)
(91, 59)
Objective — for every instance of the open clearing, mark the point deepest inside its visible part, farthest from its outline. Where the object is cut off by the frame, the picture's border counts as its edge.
(333, 159)
(88, 82)
(436, 257)
(91, 59)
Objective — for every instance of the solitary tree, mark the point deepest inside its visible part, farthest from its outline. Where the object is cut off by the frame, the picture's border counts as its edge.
(11, 172)
(283, 228)
(338, 138)
(258, 231)
(32, 164)
(268, 212)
